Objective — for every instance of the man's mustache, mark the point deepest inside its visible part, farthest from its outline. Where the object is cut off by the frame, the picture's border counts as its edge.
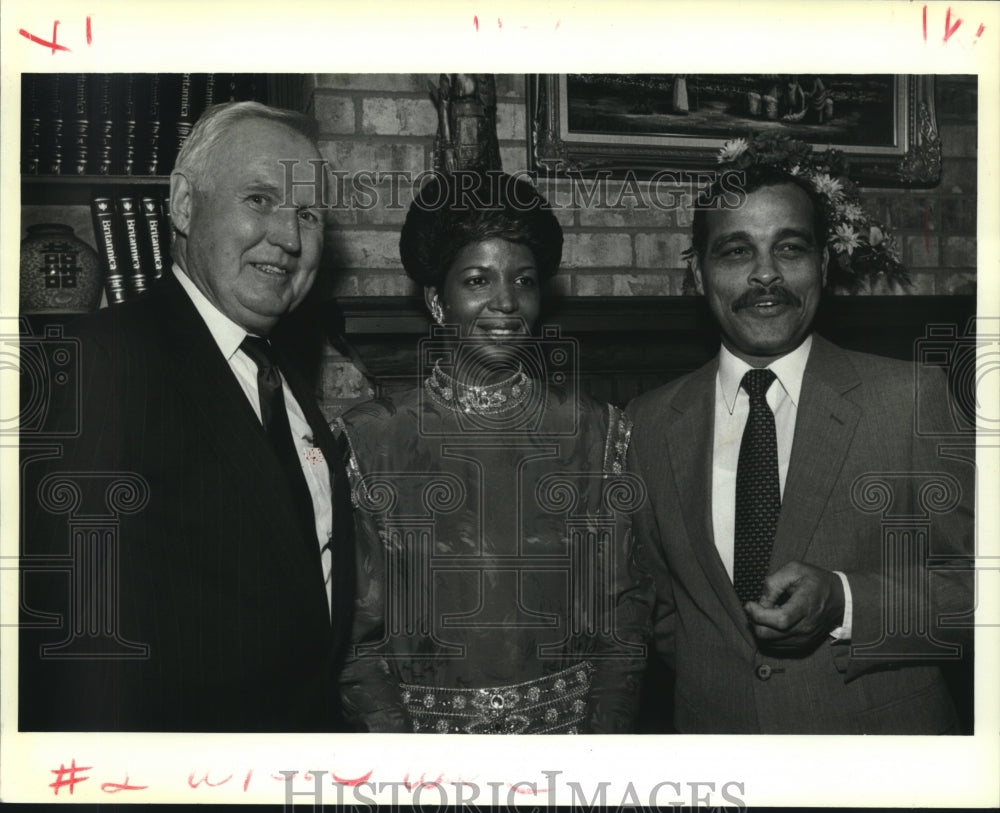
(778, 294)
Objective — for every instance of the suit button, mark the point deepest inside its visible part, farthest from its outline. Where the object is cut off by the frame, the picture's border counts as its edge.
(764, 671)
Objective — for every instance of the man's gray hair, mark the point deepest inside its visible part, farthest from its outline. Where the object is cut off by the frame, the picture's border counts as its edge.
(197, 154)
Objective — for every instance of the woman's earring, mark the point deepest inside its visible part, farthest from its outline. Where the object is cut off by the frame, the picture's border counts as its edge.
(437, 312)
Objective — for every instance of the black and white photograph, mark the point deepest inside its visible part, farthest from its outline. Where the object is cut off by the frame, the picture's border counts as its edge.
(366, 418)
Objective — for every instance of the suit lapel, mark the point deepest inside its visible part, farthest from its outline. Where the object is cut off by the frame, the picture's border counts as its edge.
(205, 383)
(343, 522)
(824, 429)
(690, 441)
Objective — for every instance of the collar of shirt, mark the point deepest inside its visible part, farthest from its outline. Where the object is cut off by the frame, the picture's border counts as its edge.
(227, 334)
(788, 369)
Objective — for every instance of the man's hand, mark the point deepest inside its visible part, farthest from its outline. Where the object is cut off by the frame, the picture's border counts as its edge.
(800, 604)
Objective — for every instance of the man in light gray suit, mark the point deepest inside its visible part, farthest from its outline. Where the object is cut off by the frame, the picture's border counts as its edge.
(807, 546)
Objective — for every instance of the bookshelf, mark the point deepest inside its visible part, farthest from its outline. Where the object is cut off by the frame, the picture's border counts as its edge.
(77, 190)
(85, 137)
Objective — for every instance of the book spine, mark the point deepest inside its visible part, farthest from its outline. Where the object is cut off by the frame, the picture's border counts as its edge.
(155, 235)
(102, 210)
(128, 125)
(153, 126)
(230, 87)
(103, 132)
(255, 84)
(246, 87)
(52, 115)
(80, 125)
(209, 90)
(185, 111)
(31, 125)
(133, 254)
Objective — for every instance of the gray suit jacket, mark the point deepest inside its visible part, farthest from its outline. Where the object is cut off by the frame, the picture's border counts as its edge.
(862, 488)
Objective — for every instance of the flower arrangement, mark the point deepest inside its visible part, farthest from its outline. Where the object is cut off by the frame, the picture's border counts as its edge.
(864, 257)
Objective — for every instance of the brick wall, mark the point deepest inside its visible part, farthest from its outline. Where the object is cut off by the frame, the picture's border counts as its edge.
(386, 122)
(383, 124)
(937, 227)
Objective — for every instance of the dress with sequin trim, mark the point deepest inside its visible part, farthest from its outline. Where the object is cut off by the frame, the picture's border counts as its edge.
(491, 547)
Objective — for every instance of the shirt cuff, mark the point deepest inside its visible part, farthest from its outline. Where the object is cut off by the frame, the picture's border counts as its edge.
(843, 632)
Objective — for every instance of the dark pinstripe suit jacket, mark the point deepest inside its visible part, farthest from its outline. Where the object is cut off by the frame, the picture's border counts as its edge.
(213, 574)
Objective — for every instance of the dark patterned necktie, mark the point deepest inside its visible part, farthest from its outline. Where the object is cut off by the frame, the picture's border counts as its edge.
(758, 490)
(279, 434)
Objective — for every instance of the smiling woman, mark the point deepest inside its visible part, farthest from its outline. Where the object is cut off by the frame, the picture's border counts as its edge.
(492, 499)
(483, 246)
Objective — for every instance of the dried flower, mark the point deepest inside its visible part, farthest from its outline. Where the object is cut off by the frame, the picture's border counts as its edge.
(863, 253)
(831, 187)
(845, 239)
(732, 150)
(853, 212)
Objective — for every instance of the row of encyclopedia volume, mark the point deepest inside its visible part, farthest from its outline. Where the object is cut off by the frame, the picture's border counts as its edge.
(132, 231)
(118, 123)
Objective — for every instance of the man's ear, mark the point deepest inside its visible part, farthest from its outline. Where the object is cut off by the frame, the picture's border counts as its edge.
(181, 194)
(696, 275)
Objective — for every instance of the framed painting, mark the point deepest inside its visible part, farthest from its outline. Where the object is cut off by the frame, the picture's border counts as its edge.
(643, 123)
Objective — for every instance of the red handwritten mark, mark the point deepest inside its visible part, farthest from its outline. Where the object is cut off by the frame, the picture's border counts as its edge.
(979, 32)
(204, 779)
(117, 787)
(306, 777)
(499, 24)
(90, 37)
(530, 790)
(423, 784)
(54, 45)
(73, 780)
(950, 29)
(246, 782)
(475, 22)
(557, 25)
(352, 782)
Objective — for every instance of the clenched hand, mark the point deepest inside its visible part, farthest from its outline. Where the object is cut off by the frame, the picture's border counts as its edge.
(800, 605)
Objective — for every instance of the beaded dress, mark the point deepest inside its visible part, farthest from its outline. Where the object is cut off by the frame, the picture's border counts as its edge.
(493, 545)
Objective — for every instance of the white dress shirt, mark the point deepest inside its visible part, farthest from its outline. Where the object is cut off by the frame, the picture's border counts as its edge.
(228, 336)
(732, 407)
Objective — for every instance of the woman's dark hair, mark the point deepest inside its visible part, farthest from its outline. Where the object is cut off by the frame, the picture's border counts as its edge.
(735, 185)
(451, 211)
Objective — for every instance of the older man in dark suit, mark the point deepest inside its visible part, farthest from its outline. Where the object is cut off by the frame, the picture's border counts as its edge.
(793, 594)
(224, 594)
